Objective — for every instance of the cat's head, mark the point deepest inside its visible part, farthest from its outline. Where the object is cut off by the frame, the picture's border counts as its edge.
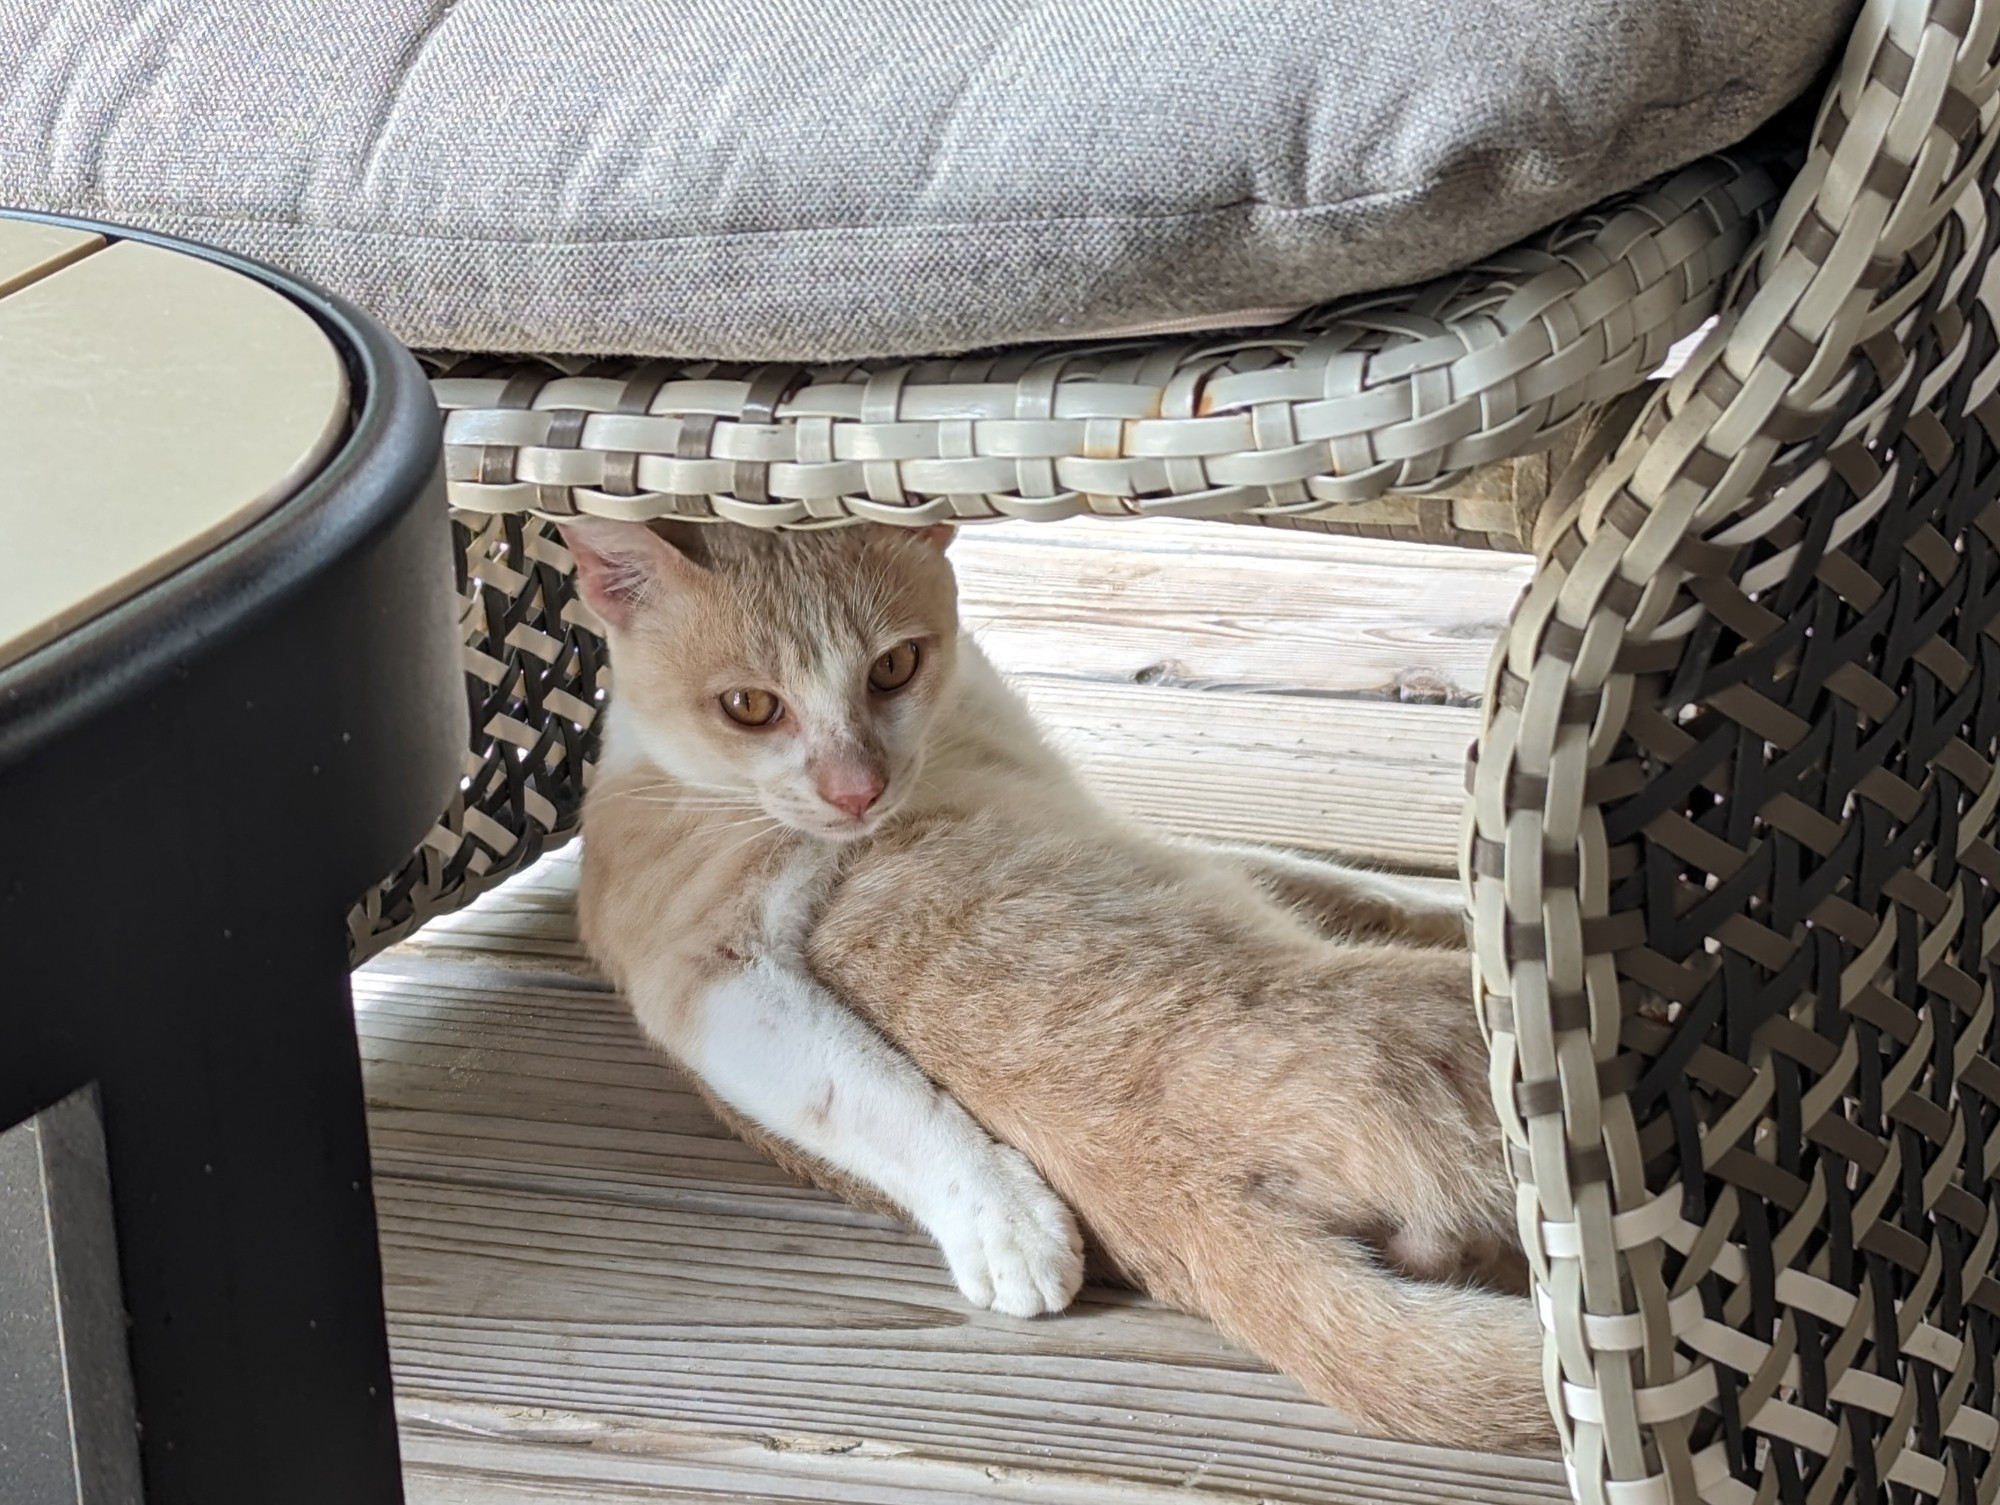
(800, 670)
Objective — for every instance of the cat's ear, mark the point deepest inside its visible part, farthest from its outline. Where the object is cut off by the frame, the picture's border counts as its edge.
(938, 535)
(620, 566)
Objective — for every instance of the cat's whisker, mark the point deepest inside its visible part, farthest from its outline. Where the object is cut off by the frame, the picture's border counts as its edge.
(679, 793)
(676, 803)
(694, 811)
(755, 835)
(736, 825)
(695, 785)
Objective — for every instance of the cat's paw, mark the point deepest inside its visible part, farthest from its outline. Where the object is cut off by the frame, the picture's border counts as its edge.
(1012, 1244)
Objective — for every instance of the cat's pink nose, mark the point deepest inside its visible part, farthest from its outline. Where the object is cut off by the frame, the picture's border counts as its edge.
(853, 790)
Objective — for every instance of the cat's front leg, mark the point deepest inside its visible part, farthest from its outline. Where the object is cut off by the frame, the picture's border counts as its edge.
(784, 1052)
(1352, 901)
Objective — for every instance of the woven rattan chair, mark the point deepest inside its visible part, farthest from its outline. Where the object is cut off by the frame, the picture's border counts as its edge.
(1731, 840)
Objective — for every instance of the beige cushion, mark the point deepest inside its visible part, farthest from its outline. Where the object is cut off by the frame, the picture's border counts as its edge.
(825, 178)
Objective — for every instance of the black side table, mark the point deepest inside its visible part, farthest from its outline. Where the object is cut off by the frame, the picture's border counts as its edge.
(230, 699)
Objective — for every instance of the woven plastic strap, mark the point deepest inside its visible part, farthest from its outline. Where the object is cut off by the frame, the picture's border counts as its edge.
(535, 678)
(1732, 851)
(1400, 392)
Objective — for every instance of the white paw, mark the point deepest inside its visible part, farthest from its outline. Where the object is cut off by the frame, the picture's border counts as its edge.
(1011, 1243)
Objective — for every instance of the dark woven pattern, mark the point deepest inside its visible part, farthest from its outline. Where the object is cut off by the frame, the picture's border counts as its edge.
(1734, 851)
(1810, 858)
(535, 675)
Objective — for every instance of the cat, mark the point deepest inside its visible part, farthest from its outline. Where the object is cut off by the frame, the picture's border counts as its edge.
(848, 886)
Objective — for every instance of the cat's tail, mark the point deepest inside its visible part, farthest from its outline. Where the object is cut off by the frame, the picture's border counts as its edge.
(1397, 1356)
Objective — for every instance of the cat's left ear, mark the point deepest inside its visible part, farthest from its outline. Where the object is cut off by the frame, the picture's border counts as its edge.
(619, 566)
(938, 535)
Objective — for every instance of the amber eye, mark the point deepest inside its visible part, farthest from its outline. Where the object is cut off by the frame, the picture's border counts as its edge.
(892, 670)
(751, 707)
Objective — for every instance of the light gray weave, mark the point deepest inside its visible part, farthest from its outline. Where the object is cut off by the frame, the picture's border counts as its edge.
(815, 179)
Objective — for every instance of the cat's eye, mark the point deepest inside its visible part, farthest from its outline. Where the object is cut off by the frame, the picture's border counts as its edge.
(893, 670)
(751, 707)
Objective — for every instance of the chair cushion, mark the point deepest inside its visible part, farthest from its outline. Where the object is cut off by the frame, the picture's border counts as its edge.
(815, 179)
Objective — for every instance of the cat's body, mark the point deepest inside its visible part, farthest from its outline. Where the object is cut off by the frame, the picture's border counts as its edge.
(1257, 1115)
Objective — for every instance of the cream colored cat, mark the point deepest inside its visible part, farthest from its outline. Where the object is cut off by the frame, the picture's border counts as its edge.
(822, 825)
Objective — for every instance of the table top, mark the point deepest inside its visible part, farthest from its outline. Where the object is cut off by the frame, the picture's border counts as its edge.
(152, 405)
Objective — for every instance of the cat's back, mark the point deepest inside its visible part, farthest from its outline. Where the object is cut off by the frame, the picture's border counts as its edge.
(1007, 919)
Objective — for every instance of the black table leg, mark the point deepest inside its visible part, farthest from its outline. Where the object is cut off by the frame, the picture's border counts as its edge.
(238, 1157)
(233, 1164)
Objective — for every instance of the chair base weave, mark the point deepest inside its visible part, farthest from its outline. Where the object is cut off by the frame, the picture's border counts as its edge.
(535, 675)
(1356, 417)
(1734, 846)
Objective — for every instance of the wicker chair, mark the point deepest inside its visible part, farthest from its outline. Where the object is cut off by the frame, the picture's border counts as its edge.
(1731, 836)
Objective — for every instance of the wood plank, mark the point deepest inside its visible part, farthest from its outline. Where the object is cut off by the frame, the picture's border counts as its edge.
(597, 1293)
(1232, 681)
(1383, 783)
(1201, 604)
(529, 922)
(471, 1456)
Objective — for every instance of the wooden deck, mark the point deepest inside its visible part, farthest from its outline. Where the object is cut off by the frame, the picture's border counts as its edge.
(597, 1295)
